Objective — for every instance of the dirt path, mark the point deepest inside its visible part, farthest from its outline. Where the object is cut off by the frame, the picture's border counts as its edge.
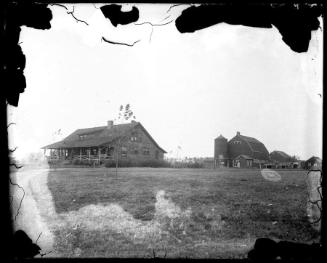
(32, 206)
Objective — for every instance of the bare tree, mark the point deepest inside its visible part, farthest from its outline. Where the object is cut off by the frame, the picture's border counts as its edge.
(124, 115)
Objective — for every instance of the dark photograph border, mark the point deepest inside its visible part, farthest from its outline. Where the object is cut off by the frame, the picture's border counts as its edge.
(294, 24)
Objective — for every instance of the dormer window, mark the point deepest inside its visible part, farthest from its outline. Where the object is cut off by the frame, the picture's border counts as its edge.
(134, 139)
(82, 137)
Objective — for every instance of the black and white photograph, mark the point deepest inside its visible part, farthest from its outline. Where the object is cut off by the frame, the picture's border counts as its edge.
(169, 131)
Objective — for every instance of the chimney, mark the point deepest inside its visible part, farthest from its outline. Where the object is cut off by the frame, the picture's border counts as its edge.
(238, 133)
(110, 124)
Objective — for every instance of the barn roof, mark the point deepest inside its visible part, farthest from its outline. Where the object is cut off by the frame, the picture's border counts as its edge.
(280, 155)
(100, 135)
(254, 144)
(249, 139)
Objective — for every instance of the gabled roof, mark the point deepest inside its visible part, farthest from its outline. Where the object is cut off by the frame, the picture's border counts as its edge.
(98, 136)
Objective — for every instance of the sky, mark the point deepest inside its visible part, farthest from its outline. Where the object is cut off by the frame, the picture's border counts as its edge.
(185, 89)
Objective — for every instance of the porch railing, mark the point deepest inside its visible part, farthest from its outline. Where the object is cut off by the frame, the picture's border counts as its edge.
(83, 157)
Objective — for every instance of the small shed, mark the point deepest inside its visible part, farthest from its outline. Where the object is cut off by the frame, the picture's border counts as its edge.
(243, 161)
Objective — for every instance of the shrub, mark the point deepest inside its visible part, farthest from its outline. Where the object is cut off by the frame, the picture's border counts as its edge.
(129, 163)
(154, 163)
(187, 165)
(84, 162)
(195, 165)
(121, 163)
(76, 162)
(109, 163)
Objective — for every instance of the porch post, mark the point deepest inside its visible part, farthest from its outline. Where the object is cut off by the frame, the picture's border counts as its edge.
(80, 154)
(99, 151)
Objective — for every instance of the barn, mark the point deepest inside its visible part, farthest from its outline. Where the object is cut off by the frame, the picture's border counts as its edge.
(283, 160)
(241, 151)
(129, 141)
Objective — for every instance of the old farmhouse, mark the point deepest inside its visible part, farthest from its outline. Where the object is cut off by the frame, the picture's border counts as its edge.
(129, 141)
(240, 151)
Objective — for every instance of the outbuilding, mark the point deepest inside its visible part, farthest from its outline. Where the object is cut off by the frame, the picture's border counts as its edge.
(313, 163)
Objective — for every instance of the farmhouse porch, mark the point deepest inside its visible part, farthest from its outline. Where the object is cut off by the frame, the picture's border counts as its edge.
(95, 154)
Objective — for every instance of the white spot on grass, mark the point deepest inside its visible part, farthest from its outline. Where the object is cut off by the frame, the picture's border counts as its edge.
(38, 215)
(271, 175)
(167, 208)
(114, 217)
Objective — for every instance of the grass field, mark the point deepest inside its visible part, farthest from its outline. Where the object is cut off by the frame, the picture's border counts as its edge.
(192, 213)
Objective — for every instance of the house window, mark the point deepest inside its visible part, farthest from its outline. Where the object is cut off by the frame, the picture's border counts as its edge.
(123, 152)
(82, 137)
(237, 142)
(146, 151)
(134, 139)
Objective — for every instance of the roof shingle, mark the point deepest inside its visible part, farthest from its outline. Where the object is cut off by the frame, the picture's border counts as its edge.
(97, 136)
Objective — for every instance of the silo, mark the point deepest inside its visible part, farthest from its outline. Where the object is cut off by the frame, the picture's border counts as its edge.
(221, 151)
